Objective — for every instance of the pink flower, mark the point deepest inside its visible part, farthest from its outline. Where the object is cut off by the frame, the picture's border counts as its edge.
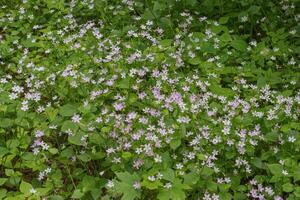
(119, 106)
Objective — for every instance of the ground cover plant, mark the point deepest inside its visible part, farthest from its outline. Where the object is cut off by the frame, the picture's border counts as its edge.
(149, 99)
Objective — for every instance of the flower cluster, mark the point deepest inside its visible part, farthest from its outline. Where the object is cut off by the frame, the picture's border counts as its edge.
(149, 100)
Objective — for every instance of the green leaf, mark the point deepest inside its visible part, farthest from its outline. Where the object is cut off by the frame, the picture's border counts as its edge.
(206, 171)
(69, 125)
(124, 83)
(239, 44)
(163, 195)
(166, 43)
(221, 91)
(212, 186)
(68, 110)
(151, 185)
(76, 138)
(176, 192)
(96, 193)
(195, 61)
(56, 197)
(297, 191)
(296, 175)
(257, 162)
(96, 139)
(25, 187)
(225, 196)
(132, 98)
(201, 156)
(6, 122)
(129, 193)
(77, 194)
(9, 172)
(57, 4)
(272, 137)
(168, 175)
(254, 10)
(191, 2)
(3, 193)
(2, 181)
(261, 81)
(53, 150)
(175, 143)
(3, 152)
(225, 37)
(191, 178)
(288, 187)
(125, 186)
(223, 20)
(285, 128)
(125, 176)
(275, 169)
(51, 113)
(43, 191)
(126, 155)
(84, 157)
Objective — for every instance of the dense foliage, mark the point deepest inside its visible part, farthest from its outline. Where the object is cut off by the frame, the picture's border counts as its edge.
(149, 99)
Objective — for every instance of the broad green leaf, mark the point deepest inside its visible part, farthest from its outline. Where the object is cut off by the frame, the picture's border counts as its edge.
(166, 43)
(239, 44)
(2, 193)
(212, 186)
(221, 91)
(124, 83)
(125, 185)
(6, 122)
(43, 191)
(191, 178)
(69, 125)
(2, 181)
(77, 194)
(76, 138)
(84, 157)
(53, 150)
(195, 61)
(96, 193)
(201, 156)
(68, 110)
(296, 174)
(275, 169)
(272, 137)
(25, 187)
(297, 192)
(223, 20)
(56, 197)
(225, 196)
(175, 143)
(168, 175)
(225, 37)
(51, 113)
(288, 187)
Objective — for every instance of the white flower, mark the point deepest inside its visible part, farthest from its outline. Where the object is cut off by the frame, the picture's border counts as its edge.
(179, 166)
(284, 172)
(32, 191)
(244, 19)
(168, 185)
(110, 184)
(157, 159)
(292, 139)
(137, 185)
(151, 178)
(76, 118)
